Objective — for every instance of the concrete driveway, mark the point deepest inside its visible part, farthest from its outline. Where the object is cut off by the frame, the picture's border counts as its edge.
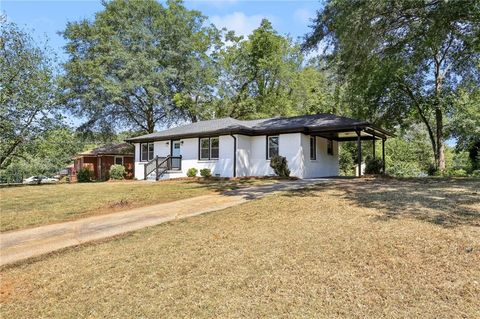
(19, 245)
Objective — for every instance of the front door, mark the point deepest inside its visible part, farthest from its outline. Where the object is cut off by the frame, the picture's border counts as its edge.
(176, 151)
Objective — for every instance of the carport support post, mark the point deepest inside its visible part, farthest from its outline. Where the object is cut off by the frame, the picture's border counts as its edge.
(373, 141)
(359, 154)
(383, 155)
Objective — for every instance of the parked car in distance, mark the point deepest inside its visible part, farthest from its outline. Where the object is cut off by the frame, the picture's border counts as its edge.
(32, 180)
(40, 180)
(48, 180)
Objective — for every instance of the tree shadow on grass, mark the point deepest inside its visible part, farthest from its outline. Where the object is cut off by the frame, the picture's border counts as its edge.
(302, 192)
(239, 186)
(445, 202)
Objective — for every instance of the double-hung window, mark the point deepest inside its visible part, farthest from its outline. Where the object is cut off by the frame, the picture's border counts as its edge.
(146, 152)
(272, 146)
(209, 148)
(204, 148)
(329, 147)
(214, 147)
(313, 148)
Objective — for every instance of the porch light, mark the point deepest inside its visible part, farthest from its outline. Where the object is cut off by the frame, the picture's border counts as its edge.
(167, 143)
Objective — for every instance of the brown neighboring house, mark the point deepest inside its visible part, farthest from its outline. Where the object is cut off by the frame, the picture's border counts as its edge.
(101, 158)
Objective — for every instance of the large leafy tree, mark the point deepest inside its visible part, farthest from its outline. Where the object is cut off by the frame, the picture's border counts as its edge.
(46, 155)
(27, 92)
(403, 59)
(315, 89)
(465, 122)
(256, 74)
(55, 149)
(139, 64)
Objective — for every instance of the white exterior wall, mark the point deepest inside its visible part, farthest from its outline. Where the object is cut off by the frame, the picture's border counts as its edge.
(251, 156)
(138, 166)
(252, 150)
(161, 148)
(244, 153)
(325, 164)
(290, 147)
(223, 166)
(189, 151)
(259, 165)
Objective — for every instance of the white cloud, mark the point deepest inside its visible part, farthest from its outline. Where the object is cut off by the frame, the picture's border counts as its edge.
(239, 22)
(304, 16)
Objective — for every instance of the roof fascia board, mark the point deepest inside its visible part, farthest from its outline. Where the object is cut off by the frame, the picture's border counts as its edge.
(257, 132)
(246, 132)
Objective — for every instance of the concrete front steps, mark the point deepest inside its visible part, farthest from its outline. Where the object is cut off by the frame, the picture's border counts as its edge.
(167, 175)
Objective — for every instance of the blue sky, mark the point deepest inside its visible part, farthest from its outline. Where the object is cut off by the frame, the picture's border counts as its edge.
(44, 19)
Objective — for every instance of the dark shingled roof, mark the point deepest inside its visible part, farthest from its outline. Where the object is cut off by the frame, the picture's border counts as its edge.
(111, 149)
(304, 123)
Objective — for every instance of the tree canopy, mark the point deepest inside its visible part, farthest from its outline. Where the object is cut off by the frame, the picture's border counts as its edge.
(266, 75)
(403, 60)
(138, 66)
(127, 66)
(27, 92)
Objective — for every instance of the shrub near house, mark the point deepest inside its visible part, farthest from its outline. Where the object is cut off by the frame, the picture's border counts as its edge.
(84, 175)
(373, 165)
(117, 172)
(192, 172)
(205, 172)
(280, 166)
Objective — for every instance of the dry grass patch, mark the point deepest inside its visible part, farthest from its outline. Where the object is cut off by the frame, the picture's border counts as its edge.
(446, 202)
(315, 253)
(29, 206)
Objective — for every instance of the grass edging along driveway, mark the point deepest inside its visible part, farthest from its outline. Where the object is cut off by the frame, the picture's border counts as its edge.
(30, 206)
(369, 249)
(18, 245)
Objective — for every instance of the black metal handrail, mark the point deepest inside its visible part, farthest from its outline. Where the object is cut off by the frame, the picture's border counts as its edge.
(162, 164)
(151, 166)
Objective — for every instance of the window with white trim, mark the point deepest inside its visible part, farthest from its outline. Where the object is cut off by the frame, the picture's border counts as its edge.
(209, 148)
(313, 148)
(146, 152)
(272, 146)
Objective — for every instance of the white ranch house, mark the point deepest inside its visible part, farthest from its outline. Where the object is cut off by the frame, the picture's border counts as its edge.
(235, 148)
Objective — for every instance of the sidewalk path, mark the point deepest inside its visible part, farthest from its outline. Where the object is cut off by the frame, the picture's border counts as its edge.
(23, 244)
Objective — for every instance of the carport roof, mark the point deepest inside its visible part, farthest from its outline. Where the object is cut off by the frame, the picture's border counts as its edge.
(326, 125)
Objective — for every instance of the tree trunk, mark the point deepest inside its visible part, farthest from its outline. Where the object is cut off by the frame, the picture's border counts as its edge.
(440, 152)
(150, 120)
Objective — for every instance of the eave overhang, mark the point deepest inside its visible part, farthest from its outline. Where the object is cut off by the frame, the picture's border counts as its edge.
(367, 132)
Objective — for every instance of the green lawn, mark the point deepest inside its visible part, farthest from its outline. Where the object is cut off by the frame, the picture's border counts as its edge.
(38, 205)
(352, 249)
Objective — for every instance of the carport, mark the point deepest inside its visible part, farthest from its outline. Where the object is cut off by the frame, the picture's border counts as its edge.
(358, 132)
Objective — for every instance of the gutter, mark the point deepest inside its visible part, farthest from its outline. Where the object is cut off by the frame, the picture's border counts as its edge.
(234, 155)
